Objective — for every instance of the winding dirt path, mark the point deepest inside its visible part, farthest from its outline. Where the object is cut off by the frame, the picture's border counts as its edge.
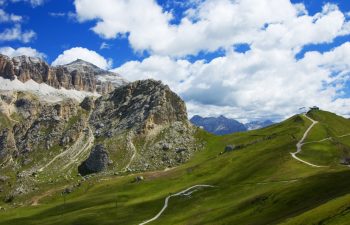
(326, 139)
(131, 146)
(74, 151)
(185, 192)
(35, 200)
(301, 143)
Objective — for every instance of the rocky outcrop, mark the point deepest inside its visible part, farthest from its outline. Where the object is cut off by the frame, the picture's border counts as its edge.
(7, 144)
(98, 161)
(153, 121)
(139, 126)
(78, 75)
(39, 125)
(141, 106)
(88, 103)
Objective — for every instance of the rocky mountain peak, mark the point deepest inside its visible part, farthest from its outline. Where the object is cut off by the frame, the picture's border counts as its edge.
(140, 105)
(80, 64)
(78, 75)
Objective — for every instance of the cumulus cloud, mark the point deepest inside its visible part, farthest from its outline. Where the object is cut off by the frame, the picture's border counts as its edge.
(17, 34)
(212, 24)
(14, 33)
(73, 54)
(11, 52)
(9, 17)
(254, 84)
(265, 80)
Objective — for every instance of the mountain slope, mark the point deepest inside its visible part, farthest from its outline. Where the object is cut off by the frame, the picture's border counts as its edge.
(137, 127)
(258, 183)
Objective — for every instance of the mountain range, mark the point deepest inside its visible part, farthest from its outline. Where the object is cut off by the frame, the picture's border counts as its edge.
(222, 125)
(80, 145)
(78, 75)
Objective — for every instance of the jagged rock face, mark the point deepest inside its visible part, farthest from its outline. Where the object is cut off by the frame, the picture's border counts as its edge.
(78, 75)
(137, 120)
(7, 143)
(98, 161)
(88, 103)
(140, 106)
(42, 125)
(46, 126)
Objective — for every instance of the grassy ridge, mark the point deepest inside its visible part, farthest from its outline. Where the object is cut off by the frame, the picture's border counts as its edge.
(260, 183)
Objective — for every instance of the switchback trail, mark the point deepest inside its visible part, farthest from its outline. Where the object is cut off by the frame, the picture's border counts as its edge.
(186, 192)
(301, 143)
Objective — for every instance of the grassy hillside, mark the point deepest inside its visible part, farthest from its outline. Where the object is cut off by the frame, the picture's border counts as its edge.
(327, 142)
(258, 183)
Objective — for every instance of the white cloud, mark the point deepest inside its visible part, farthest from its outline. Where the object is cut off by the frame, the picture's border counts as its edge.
(266, 80)
(57, 14)
(255, 84)
(6, 17)
(14, 33)
(211, 24)
(34, 3)
(73, 54)
(105, 45)
(17, 34)
(69, 15)
(11, 52)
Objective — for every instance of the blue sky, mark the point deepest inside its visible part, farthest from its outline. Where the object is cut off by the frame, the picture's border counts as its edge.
(203, 49)
(57, 33)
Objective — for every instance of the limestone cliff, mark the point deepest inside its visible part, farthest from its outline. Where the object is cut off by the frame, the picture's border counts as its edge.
(78, 75)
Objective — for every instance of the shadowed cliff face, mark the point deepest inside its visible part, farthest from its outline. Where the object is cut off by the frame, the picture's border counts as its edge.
(78, 75)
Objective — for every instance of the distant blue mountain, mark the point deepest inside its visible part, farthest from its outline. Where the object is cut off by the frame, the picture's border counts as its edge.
(258, 124)
(218, 125)
(222, 125)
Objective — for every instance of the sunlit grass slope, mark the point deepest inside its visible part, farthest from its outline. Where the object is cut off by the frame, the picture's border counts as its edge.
(258, 183)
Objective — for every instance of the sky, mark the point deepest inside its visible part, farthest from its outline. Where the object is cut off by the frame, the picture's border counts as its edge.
(245, 59)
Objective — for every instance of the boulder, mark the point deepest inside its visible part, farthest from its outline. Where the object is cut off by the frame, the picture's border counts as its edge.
(67, 190)
(345, 161)
(179, 150)
(166, 146)
(229, 148)
(96, 162)
(139, 178)
(9, 198)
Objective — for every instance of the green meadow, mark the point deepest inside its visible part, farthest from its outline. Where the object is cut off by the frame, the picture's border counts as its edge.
(257, 183)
